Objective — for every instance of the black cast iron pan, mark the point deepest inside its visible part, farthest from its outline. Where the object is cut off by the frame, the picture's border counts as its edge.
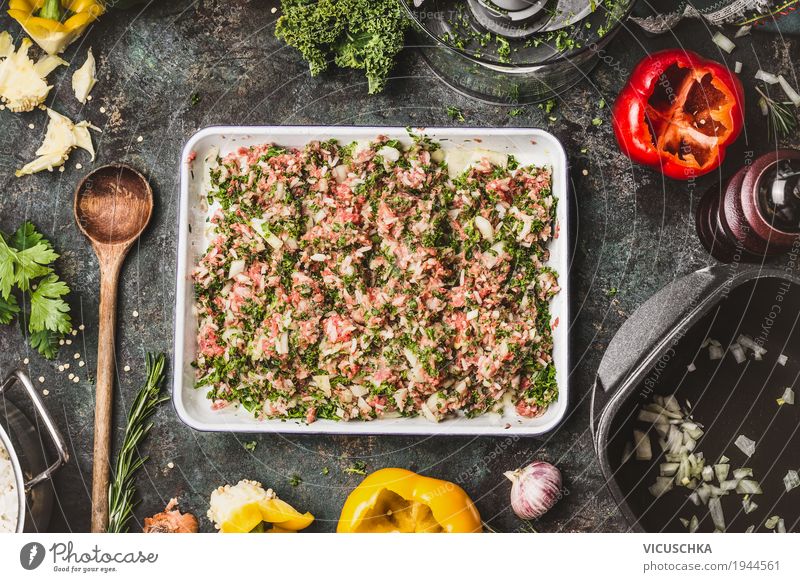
(652, 353)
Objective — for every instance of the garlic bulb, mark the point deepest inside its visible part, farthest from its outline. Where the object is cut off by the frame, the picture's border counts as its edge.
(535, 489)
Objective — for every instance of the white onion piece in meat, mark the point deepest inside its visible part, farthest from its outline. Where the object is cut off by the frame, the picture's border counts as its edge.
(485, 228)
(237, 268)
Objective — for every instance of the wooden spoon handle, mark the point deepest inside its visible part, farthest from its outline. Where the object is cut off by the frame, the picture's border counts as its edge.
(104, 392)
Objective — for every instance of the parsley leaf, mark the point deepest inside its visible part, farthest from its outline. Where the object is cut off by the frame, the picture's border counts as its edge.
(26, 256)
(7, 263)
(26, 259)
(48, 310)
(8, 309)
(45, 342)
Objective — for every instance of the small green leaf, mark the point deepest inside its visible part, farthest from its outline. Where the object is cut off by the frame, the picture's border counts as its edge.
(45, 342)
(48, 310)
(8, 309)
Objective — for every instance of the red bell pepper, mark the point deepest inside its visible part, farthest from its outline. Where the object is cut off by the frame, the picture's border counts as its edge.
(678, 113)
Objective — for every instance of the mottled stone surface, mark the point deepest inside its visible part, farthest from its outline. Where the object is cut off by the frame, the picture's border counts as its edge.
(634, 233)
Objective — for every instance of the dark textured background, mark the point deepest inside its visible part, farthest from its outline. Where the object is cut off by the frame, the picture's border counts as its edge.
(634, 232)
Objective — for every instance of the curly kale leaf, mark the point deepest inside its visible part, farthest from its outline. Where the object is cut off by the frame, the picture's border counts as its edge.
(357, 34)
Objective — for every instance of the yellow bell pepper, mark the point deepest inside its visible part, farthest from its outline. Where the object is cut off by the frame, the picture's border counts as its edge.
(246, 506)
(52, 34)
(400, 501)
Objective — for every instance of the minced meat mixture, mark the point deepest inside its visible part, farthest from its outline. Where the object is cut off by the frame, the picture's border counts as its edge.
(362, 281)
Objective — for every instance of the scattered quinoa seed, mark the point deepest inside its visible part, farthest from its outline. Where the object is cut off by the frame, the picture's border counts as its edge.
(41, 379)
(45, 392)
(26, 361)
(81, 364)
(127, 368)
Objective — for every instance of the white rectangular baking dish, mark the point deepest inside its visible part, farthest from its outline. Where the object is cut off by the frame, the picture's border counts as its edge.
(529, 146)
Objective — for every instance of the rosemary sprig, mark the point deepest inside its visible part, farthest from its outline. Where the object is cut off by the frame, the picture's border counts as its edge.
(781, 121)
(122, 490)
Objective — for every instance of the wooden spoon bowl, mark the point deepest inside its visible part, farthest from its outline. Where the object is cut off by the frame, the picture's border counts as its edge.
(113, 206)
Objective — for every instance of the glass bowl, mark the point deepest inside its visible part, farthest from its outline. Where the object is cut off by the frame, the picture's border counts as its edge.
(488, 50)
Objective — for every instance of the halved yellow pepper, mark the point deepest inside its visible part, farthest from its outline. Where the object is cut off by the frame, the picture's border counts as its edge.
(400, 501)
(244, 507)
(53, 35)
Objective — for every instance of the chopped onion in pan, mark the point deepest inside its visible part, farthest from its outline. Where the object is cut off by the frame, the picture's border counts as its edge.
(768, 78)
(627, 453)
(747, 342)
(782, 359)
(738, 353)
(743, 31)
(704, 493)
(781, 526)
(791, 480)
(715, 353)
(737, 68)
(715, 507)
(661, 486)
(746, 445)
(694, 524)
(742, 473)
(772, 522)
(708, 473)
(668, 469)
(793, 95)
(750, 529)
(671, 404)
(723, 42)
(642, 447)
(721, 471)
(748, 487)
(748, 504)
(691, 367)
(787, 398)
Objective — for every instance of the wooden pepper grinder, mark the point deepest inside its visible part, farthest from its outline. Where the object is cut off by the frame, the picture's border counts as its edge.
(756, 213)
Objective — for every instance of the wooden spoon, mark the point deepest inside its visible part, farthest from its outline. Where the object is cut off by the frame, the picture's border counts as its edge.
(113, 205)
